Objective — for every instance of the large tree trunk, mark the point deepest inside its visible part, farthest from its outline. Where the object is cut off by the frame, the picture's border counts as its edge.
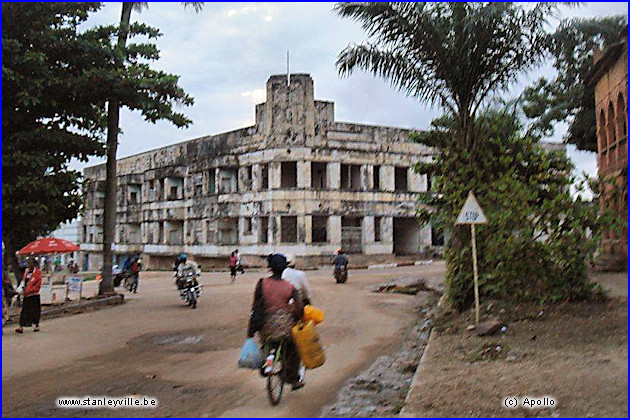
(11, 259)
(109, 212)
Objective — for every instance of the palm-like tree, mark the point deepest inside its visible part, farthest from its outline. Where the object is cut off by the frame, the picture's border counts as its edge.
(113, 118)
(455, 55)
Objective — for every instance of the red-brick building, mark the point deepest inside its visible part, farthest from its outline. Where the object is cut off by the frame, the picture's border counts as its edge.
(610, 80)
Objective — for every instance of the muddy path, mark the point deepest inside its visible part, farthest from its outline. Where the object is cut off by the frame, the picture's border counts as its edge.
(156, 347)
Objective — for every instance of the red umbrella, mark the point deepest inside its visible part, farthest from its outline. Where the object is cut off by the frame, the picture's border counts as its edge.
(48, 246)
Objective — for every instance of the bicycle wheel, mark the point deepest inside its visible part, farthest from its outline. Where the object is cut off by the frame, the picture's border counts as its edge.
(275, 380)
(275, 385)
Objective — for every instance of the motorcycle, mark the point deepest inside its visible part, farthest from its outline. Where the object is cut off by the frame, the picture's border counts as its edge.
(121, 276)
(189, 288)
(341, 274)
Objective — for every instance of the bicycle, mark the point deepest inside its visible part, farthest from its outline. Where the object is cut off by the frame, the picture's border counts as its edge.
(272, 369)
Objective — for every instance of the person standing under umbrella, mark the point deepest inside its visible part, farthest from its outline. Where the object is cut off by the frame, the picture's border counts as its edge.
(31, 305)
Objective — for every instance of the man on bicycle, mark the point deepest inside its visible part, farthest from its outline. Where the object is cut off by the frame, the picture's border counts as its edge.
(276, 309)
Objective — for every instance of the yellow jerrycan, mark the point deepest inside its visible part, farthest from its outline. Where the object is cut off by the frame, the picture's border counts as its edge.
(311, 313)
(308, 346)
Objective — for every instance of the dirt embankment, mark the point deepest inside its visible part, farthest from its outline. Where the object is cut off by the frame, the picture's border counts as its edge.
(380, 390)
(575, 353)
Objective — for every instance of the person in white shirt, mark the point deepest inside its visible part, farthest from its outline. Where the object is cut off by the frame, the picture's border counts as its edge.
(297, 278)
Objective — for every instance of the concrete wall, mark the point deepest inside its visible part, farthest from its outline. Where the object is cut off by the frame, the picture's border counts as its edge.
(290, 127)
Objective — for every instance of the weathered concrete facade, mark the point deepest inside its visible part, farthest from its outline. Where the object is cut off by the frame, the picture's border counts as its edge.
(297, 181)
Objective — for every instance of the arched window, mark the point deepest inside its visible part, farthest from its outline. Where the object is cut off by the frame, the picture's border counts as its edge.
(601, 138)
(622, 130)
(610, 125)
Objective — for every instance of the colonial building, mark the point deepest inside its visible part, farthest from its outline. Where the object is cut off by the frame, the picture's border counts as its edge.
(610, 80)
(297, 181)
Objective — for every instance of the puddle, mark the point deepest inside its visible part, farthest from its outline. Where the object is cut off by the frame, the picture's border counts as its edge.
(177, 341)
(191, 341)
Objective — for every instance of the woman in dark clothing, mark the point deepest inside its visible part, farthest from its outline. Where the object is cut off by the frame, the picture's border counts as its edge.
(276, 309)
(31, 305)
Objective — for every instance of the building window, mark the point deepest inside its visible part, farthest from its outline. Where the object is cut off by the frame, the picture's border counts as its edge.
(603, 143)
(612, 135)
(247, 181)
(175, 232)
(400, 179)
(622, 130)
(288, 229)
(377, 228)
(376, 177)
(263, 232)
(211, 233)
(198, 190)
(247, 225)
(212, 182)
(318, 175)
(288, 175)
(100, 199)
(228, 231)
(153, 190)
(351, 177)
(228, 180)
(134, 233)
(319, 229)
(173, 188)
(264, 169)
(133, 197)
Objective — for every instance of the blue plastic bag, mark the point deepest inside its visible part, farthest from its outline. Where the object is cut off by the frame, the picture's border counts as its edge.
(251, 357)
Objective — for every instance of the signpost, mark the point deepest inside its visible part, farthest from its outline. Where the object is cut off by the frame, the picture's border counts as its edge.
(472, 214)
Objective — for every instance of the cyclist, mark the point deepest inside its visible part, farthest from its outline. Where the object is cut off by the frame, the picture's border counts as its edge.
(276, 309)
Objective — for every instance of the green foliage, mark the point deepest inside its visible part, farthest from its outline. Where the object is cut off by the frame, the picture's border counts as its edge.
(567, 97)
(49, 114)
(451, 54)
(56, 82)
(539, 239)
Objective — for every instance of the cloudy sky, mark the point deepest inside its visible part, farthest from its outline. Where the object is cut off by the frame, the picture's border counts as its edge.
(225, 54)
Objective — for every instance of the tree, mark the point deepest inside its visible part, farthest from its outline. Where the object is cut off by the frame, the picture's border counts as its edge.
(455, 55)
(567, 97)
(50, 114)
(538, 240)
(113, 117)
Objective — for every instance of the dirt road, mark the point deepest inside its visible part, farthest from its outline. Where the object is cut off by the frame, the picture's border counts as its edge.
(153, 345)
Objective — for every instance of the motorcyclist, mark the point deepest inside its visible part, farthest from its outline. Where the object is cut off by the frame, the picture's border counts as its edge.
(178, 260)
(340, 262)
(186, 269)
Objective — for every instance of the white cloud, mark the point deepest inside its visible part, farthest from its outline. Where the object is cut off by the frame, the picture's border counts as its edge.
(224, 64)
(257, 96)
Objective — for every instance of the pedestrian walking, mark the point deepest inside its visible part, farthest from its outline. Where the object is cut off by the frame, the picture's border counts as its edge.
(31, 305)
(135, 275)
(233, 263)
(239, 265)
